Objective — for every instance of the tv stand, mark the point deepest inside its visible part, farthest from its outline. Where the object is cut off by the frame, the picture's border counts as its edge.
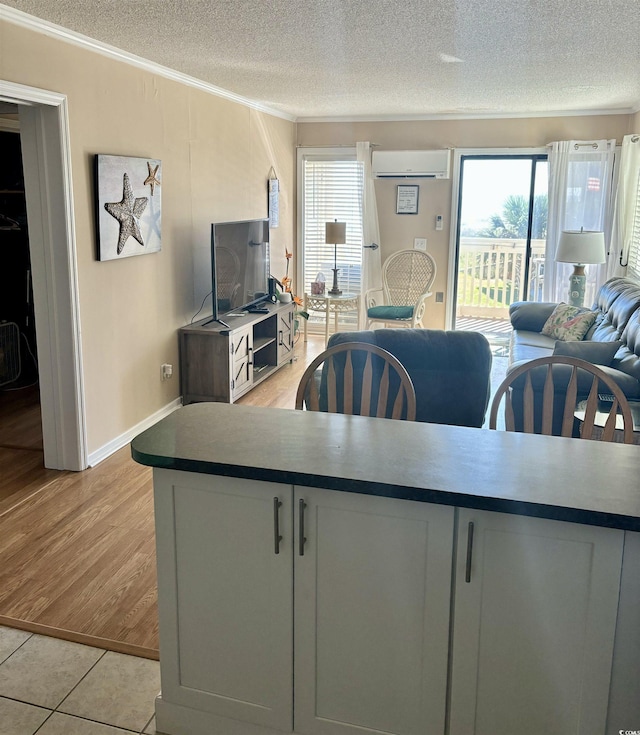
(223, 360)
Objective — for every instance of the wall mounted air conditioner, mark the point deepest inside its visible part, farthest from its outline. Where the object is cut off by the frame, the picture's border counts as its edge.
(411, 164)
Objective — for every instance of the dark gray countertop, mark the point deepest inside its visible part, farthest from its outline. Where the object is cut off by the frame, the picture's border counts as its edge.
(596, 483)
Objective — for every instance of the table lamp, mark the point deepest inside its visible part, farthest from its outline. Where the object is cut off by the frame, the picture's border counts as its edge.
(579, 248)
(335, 233)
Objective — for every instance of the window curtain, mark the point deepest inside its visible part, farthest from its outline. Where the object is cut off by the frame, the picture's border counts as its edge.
(371, 258)
(626, 211)
(580, 186)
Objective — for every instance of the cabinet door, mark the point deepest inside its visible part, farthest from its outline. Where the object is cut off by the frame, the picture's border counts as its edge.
(534, 623)
(285, 335)
(225, 597)
(372, 602)
(241, 348)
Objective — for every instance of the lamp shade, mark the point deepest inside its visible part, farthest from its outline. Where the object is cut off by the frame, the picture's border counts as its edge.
(580, 247)
(335, 233)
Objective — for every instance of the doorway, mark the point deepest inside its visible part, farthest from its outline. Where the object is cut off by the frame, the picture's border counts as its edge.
(44, 132)
(500, 240)
(20, 419)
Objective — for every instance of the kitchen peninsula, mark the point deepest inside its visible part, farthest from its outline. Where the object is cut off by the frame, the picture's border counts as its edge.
(322, 574)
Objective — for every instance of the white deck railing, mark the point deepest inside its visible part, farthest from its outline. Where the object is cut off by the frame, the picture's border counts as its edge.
(491, 275)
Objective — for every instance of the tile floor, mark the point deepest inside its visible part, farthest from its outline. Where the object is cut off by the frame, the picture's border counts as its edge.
(54, 687)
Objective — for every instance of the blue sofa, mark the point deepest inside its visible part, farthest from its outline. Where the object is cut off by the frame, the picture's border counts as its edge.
(612, 343)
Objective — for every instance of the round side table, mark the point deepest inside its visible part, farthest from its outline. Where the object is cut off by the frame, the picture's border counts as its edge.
(328, 304)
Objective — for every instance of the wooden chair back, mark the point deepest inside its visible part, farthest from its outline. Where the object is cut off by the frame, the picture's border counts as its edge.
(601, 383)
(358, 378)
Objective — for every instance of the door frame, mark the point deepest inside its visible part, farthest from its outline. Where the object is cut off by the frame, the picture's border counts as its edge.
(46, 152)
(458, 153)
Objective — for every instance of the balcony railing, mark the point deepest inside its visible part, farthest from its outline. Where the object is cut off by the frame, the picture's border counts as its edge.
(491, 275)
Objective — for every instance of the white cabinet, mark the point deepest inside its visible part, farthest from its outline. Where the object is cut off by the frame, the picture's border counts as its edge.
(534, 625)
(371, 598)
(324, 613)
(224, 599)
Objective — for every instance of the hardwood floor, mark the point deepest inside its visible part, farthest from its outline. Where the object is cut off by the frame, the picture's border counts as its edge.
(77, 549)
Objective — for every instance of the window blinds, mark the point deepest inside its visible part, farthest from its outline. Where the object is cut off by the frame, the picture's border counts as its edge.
(332, 190)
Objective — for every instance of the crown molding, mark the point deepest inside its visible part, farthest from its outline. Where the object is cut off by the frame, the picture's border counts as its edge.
(19, 18)
(466, 116)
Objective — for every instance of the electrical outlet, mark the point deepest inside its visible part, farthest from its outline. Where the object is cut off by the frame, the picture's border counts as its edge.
(166, 371)
(420, 243)
(439, 297)
(438, 222)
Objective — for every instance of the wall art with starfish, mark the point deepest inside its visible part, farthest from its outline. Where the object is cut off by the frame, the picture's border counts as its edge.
(129, 206)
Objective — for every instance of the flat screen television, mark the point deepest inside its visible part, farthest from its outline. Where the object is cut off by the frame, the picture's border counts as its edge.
(240, 265)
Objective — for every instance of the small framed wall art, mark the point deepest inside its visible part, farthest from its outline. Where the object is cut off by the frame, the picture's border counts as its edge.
(129, 206)
(407, 199)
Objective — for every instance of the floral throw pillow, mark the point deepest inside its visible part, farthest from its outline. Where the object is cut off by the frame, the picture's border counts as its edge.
(569, 323)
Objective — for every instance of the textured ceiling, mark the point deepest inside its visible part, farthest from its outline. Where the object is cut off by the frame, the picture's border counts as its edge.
(382, 58)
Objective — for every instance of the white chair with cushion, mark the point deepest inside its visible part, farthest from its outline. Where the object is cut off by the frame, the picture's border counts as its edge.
(407, 278)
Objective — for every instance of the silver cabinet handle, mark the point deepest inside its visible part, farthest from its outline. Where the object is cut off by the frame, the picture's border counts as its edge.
(277, 538)
(301, 538)
(467, 576)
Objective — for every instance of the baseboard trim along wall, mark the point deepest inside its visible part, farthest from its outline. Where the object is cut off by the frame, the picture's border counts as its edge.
(120, 441)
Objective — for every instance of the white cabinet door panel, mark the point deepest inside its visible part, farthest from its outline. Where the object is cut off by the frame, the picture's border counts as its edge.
(372, 614)
(225, 596)
(534, 625)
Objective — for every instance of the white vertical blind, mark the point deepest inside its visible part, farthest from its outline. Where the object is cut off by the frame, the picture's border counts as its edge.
(332, 190)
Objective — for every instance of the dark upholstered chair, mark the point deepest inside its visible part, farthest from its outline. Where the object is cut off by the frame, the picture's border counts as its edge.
(357, 378)
(450, 370)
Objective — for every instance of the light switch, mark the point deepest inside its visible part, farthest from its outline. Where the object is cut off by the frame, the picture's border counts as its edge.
(420, 243)
(438, 221)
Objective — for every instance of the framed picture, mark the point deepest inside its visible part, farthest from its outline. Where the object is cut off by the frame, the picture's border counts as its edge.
(407, 199)
(129, 206)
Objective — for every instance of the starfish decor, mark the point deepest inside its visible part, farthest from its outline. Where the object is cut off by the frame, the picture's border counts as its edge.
(151, 178)
(127, 212)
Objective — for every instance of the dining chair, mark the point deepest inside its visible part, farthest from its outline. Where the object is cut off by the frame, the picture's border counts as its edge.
(407, 278)
(562, 392)
(360, 379)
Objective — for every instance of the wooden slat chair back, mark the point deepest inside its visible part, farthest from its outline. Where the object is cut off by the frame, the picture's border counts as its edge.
(600, 383)
(358, 378)
(407, 278)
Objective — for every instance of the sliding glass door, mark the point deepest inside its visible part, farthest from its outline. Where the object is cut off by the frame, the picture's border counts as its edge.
(500, 241)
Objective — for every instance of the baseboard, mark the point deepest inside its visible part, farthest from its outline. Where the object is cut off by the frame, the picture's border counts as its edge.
(120, 441)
